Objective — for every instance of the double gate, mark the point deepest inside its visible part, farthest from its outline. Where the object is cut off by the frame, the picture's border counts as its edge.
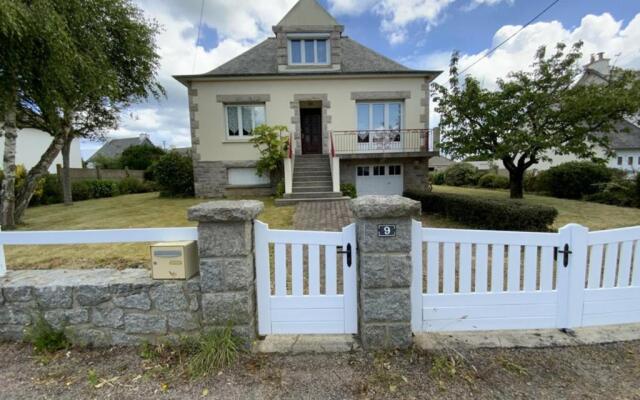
(306, 281)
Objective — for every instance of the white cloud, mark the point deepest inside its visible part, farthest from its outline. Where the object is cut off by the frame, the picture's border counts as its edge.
(477, 3)
(598, 32)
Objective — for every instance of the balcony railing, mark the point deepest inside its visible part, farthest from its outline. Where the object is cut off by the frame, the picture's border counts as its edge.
(381, 141)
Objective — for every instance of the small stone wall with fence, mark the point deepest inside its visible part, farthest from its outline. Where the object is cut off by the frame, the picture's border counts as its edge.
(85, 174)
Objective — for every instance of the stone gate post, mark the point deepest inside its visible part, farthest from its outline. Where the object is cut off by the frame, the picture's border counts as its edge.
(384, 247)
(227, 273)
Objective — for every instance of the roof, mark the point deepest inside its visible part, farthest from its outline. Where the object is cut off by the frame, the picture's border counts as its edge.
(626, 137)
(262, 60)
(308, 13)
(114, 147)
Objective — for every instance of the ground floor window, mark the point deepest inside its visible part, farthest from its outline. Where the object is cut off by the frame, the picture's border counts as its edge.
(242, 119)
(246, 177)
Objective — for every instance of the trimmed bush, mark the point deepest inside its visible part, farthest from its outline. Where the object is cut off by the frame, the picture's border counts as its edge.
(618, 192)
(573, 180)
(460, 174)
(493, 181)
(349, 189)
(173, 172)
(93, 189)
(131, 185)
(437, 178)
(140, 157)
(510, 215)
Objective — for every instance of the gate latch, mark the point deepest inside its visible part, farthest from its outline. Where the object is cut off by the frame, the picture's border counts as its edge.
(565, 255)
(347, 252)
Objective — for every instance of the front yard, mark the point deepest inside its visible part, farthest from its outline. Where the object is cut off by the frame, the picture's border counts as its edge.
(595, 216)
(131, 211)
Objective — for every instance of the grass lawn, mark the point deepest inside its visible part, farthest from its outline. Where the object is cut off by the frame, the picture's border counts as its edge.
(131, 211)
(593, 215)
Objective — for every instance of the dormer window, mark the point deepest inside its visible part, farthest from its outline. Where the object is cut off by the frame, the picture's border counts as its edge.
(308, 50)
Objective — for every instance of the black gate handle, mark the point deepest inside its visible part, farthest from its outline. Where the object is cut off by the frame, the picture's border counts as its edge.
(565, 255)
(347, 252)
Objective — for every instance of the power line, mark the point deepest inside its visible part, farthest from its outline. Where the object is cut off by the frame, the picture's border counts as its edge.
(510, 37)
(195, 56)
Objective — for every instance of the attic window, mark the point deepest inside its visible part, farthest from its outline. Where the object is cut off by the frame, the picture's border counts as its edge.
(308, 51)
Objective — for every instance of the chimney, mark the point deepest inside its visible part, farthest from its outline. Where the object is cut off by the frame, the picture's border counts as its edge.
(599, 64)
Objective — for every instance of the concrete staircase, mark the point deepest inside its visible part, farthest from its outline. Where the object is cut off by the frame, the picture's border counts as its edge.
(311, 181)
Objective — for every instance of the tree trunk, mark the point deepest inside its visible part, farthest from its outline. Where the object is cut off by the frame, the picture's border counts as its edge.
(66, 173)
(516, 182)
(35, 174)
(9, 168)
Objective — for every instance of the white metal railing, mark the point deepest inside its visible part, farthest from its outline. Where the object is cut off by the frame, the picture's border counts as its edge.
(486, 280)
(97, 236)
(381, 141)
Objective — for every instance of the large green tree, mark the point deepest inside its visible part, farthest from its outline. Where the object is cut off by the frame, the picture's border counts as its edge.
(33, 39)
(534, 114)
(113, 66)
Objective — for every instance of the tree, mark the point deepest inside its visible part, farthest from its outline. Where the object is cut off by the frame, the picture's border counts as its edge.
(534, 113)
(140, 157)
(272, 146)
(33, 40)
(113, 67)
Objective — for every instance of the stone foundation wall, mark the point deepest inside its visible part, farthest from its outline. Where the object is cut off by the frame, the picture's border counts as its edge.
(211, 180)
(100, 307)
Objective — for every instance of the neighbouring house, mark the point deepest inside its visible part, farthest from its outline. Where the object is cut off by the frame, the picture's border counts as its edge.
(32, 143)
(353, 115)
(624, 143)
(439, 163)
(113, 148)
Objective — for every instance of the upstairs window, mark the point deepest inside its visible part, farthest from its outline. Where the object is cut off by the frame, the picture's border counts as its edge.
(242, 119)
(308, 51)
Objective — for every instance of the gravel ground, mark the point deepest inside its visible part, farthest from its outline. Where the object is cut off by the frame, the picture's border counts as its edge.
(587, 372)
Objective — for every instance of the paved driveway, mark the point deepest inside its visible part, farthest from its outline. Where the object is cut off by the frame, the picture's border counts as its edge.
(322, 215)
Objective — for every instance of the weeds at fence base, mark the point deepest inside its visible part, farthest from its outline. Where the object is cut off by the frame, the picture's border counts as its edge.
(45, 338)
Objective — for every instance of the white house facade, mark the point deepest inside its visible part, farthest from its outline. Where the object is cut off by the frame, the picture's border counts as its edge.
(32, 143)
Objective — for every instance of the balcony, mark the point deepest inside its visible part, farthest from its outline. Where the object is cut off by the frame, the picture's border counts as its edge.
(388, 142)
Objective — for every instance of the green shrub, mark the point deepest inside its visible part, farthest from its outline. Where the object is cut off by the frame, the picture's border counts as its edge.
(46, 338)
(132, 185)
(437, 178)
(213, 351)
(618, 192)
(280, 189)
(493, 181)
(102, 188)
(103, 162)
(573, 180)
(460, 174)
(349, 189)
(511, 215)
(81, 190)
(530, 182)
(140, 157)
(173, 173)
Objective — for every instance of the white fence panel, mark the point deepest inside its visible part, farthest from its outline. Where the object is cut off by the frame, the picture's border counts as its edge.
(488, 280)
(300, 290)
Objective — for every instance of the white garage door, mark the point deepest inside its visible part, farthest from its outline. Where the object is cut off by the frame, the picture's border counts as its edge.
(379, 179)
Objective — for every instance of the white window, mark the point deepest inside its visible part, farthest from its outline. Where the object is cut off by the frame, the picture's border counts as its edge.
(378, 170)
(308, 51)
(246, 177)
(363, 171)
(243, 118)
(384, 116)
(395, 170)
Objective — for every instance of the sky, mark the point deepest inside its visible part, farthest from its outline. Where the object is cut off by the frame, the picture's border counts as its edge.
(420, 34)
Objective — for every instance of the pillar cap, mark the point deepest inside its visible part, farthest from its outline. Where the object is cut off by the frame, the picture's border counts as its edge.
(225, 211)
(385, 207)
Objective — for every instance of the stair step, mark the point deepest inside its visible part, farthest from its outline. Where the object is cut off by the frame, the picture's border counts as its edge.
(290, 202)
(310, 156)
(309, 195)
(308, 174)
(309, 189)
(308, 182)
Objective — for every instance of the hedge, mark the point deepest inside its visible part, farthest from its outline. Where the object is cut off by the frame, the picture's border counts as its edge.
(509, 215)
(574, 179)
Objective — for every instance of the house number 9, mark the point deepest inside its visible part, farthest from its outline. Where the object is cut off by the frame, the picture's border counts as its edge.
(386, 230)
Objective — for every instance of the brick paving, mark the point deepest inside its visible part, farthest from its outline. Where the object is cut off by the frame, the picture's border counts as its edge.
(322, 215)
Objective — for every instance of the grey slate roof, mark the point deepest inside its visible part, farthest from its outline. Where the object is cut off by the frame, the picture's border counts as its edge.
(627, 137)
(114, 147)
(262, 60)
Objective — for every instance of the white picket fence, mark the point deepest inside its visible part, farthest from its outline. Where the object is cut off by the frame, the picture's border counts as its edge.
(97, 236)
(486, 280)
(301, 287)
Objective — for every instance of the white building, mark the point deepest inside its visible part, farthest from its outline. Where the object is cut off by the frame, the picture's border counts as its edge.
(32, 143)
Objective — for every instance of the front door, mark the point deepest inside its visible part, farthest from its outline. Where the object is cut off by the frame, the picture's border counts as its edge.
(311, 126)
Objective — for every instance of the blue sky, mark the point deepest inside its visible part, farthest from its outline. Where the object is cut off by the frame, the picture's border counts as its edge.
(418, 33)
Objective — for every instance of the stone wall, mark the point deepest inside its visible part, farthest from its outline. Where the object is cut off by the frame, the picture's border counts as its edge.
(211, 180)
(100, 307)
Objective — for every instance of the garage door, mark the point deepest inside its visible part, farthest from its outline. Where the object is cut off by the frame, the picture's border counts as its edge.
(379, 179)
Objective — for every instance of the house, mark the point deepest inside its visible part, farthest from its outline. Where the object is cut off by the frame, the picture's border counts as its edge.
(353, 115)
(114, 148)
(32, 143)
(624, 143)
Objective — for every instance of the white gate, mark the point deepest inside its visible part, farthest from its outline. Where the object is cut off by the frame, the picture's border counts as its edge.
(300, 287)
(486, 280)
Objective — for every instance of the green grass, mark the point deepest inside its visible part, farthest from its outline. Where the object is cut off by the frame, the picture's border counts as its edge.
(131, 211)
(595, 216)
